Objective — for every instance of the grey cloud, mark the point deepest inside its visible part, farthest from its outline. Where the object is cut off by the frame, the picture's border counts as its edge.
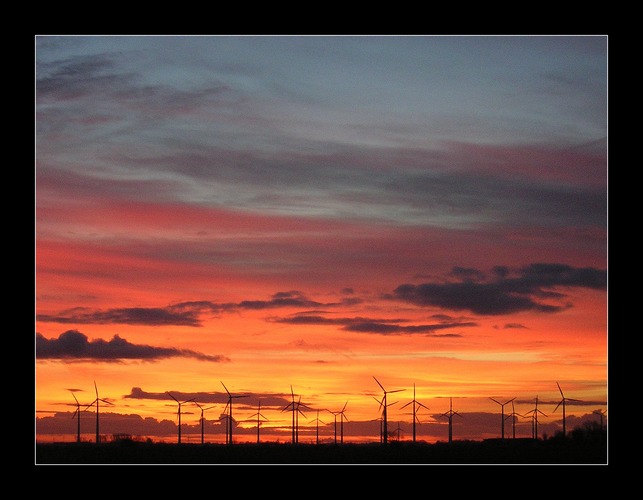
(367, 325)
(505, 294)
(73, 345)
(268, 400)
(183, 313)
(153, 316)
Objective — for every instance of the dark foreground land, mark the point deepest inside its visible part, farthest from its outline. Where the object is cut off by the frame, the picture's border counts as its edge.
(518, 451)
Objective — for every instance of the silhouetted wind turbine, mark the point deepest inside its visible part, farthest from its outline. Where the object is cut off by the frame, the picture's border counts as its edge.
(563, 401)
(341, 424)
(534, 420)
(449, 414)
(415, 404)
(335, 413)
(259, 416)
(229, 406)
(317, 420)
(202, 419)
(77, 412)
(398, 430)
(513, 416)
(384, 405)
(502, 405)
(342, 416)
(179, 411)
(97, 402)
(601, 414)
(295, 415)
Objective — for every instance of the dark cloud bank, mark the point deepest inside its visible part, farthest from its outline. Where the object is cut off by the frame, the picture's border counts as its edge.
(73, 345)
(505, 291)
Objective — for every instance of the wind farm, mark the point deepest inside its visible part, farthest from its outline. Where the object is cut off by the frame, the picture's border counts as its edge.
(592, 432)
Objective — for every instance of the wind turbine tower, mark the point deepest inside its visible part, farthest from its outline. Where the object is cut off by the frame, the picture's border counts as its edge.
(502, 405)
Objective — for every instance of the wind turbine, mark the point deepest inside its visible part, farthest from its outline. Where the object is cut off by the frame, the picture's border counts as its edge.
(179, 411)
(415, 404)
(342, 416)
(335, 413)
(295, 415)
(259, 416)
(229, 406)
(534, 420)
(398, 430)
(502, 405)
(563, 401)
(341, 423)
(384, 405)
(601, 414)
(317, 421)
(202, 419)
(513, 415)
(449, 414)
(97, 402)
(78, 410)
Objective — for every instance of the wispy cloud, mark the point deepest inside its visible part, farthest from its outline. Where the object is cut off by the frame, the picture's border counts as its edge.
(73, 345)
(370, 325)
(184, 313)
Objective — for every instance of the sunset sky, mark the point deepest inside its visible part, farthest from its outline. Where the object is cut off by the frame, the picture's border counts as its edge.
(312, 215)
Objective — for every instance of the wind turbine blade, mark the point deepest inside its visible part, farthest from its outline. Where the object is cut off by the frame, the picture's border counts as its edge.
(96, 389)
(172, 397)
(496, 401)
(558, 406)
(423, 405)
(226, 389)
(345, 406)
(561, 391)
(396, 390)
(378, 383)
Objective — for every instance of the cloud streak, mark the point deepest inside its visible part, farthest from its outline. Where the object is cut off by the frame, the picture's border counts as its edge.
(73, 345)
(184, 313)
(378, 326)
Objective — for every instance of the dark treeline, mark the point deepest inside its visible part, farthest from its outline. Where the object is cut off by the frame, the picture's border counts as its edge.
(582, 446)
